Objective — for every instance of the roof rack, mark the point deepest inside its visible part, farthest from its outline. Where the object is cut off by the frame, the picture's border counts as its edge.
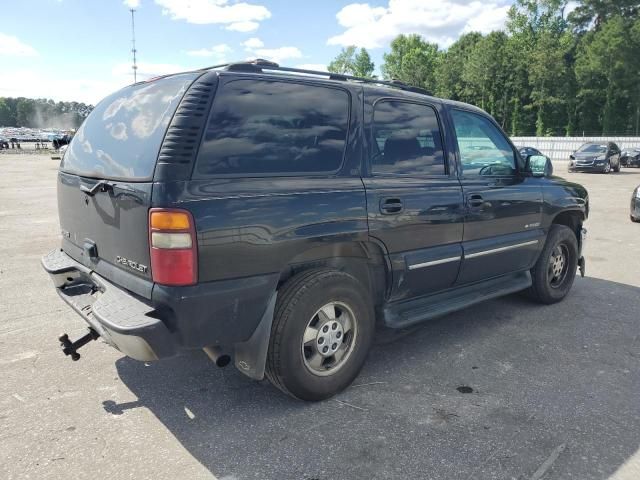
(259, 65)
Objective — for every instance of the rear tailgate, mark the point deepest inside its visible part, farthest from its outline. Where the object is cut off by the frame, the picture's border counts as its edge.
(105, 181)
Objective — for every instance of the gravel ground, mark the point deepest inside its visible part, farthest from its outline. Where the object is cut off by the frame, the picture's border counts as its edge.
(555, 390)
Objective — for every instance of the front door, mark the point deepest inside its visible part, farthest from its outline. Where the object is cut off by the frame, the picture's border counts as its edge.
(414, 203)
(503, 206)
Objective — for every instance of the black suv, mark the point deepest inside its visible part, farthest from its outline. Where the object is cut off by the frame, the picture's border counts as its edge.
(273, 216)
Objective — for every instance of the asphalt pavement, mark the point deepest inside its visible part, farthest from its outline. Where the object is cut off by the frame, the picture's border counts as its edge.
(504, 390)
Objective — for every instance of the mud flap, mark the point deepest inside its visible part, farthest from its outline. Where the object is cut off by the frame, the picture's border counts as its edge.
(251, 356)
(581, 266)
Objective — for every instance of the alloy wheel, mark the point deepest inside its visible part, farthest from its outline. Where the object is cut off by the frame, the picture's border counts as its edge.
(329, 338)
(558, 265)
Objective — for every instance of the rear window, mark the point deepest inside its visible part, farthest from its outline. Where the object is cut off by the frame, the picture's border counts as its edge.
(260, 127)
(122, 136)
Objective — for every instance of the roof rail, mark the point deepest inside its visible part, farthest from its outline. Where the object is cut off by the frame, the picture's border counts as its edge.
(259, 65)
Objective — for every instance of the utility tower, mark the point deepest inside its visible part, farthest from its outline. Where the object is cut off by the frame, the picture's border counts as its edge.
(133, 45)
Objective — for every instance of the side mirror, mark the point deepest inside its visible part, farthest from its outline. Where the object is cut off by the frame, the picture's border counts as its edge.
(539, 166)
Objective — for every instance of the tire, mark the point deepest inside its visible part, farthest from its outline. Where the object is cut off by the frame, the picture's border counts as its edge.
(546, 289)
(304, 307)
(634, 220)
(607, 168)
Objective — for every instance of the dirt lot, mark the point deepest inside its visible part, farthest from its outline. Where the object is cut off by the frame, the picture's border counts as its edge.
(556, 390)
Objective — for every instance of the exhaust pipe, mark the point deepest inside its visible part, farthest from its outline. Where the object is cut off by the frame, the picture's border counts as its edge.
(217, 356)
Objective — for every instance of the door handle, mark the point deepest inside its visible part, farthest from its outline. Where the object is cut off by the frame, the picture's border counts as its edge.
(391, 205)
(474, 200)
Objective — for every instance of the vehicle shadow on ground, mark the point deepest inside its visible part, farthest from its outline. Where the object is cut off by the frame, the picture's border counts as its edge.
(553, 387)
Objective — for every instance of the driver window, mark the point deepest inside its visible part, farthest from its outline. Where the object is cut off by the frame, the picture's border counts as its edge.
(483, 148)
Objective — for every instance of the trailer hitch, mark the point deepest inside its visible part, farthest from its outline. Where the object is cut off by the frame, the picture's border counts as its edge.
(71, 348)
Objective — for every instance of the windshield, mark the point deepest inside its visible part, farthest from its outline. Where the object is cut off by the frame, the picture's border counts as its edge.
(592, 148)
(121, 137)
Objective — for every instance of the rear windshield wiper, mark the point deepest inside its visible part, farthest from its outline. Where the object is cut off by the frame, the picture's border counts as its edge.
(101, 186)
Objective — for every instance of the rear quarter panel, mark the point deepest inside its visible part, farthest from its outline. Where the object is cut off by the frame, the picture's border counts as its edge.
(256, 226)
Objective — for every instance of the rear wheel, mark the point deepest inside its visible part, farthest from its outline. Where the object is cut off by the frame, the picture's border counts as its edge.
(322, 330)
(555, 270)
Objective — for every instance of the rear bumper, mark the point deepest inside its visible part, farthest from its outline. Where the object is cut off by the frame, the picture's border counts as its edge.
(224, 313)
(123, 320)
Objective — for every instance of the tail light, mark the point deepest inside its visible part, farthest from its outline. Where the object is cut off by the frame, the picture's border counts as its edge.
(172, 240)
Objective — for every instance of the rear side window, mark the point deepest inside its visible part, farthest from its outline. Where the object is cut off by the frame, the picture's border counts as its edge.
(260, 127)
(406, 139)
(121, 137)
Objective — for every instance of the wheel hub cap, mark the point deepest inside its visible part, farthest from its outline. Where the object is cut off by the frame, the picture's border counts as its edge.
(558, 265)
(329, 338)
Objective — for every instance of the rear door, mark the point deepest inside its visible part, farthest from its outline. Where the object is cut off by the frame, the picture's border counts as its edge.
(503, 208)
(105, 180)
(414, 201)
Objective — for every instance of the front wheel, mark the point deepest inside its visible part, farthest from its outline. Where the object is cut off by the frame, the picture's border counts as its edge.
(607, 167)
(555, 270)
(322, 330)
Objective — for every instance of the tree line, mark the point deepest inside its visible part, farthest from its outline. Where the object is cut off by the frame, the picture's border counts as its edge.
(546, 74)
(42, 113)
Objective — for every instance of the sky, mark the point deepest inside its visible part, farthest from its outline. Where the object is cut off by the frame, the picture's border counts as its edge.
(81, 49)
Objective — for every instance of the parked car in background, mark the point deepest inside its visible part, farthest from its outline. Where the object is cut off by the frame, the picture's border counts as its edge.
(528, 151)
(630, 157)
(635, 205)
(59, 153)
(595, 157)
(297, 213)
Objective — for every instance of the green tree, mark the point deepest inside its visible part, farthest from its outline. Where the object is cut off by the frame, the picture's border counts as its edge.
(607, 69)
(344, 62)
(41, 112)
(449, 81)
(412, 60)
(24, 112)
(485, 75)
(362, 65)
(7, 118)
(597, 12)
(348, 62)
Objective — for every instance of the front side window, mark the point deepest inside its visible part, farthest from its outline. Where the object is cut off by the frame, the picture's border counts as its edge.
(269, 127)
(484, 150)
(406, 139)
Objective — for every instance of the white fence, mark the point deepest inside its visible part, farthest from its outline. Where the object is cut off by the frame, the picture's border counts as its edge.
(559, 148)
